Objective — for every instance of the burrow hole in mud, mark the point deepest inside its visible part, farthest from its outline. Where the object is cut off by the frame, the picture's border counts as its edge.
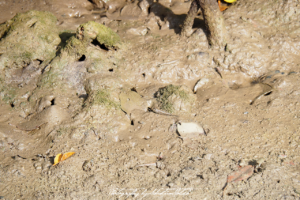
(144, 75)
(231, 194)
(12, 104)
(82, 58)
(133, 89)
(102, 46)
(40, 61)
(278, 181)
(32, 25)
(267, 94)
(52, 102)
(200, 176)
(111, 70)
(132, 123)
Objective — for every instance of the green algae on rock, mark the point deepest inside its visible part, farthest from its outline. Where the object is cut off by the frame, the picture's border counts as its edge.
(26, 37)
(102, 97)
(95, 31)
(174, 99)
(28, 42)
(91, 32)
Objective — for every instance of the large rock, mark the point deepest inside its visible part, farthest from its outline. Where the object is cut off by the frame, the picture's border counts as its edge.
(26, 37)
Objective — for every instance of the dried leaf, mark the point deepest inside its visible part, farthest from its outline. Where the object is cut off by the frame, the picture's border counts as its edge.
(57, 159)
(61, 157)
(242, 174)
(67, 155)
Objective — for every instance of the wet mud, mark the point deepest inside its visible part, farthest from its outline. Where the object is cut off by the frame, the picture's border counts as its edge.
(149, 114)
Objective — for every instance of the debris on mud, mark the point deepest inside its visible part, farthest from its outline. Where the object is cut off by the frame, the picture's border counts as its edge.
(61, 157)
(200, 84)
(242, 174)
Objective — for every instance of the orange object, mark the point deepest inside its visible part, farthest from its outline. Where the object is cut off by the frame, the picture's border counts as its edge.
(222, 8)
(61, 157)
(66, 155)
(57, 159)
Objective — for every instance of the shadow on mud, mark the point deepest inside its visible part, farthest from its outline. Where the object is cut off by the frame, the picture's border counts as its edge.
(175, 21)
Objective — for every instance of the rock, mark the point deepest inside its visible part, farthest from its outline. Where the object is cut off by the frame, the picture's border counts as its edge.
(131, 11)
(95, 31)
(38, 166)
(190, 131)
(208, 156)
(131, 101)
(152, 24)
(144, 5)
(174, 100)
(99, 3)
(28, 43)
(138, 31)
(88, 33)
(103, 106)
(26, 37)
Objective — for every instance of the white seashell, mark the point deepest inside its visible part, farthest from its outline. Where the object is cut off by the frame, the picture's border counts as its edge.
(200, 83)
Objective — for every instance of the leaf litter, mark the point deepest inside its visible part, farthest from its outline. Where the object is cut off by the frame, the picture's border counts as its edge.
(242, 174)
(61, 157)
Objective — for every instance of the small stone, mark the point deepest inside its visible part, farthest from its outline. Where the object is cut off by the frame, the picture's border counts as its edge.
(208, 156)
(138, 31)
(171, 185)
(243, 162)
(190, 130)
(160, 165)
(37, 166)
(260, 161)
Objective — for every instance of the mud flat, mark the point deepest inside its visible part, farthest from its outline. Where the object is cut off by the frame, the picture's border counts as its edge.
(148, 113)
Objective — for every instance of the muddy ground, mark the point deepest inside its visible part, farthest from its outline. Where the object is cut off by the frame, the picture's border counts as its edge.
(106, 107)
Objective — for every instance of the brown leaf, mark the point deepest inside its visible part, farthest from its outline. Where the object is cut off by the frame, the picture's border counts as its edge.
(242, 174)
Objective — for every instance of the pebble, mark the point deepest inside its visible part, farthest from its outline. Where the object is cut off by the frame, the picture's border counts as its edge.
(208, 156)
(37, 166)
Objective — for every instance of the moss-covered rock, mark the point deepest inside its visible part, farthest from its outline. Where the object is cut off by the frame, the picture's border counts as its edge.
(28, 36)
(103, 105)
(95, 31)
(174, 99)
(102, 97)
(91, 33)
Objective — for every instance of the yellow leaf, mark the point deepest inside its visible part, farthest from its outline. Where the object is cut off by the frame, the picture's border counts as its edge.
(230, 1)
(57, 159)
(67, 155)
